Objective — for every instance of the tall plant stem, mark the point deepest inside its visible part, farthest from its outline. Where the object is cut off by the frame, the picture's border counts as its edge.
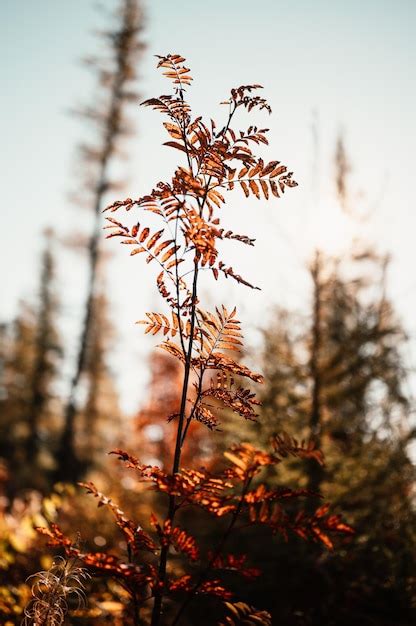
(157, 607)
(204, 574)
(181, 431)
(133, 593)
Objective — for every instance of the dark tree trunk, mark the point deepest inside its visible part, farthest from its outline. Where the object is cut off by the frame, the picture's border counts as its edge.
(126, 47)
(315, 471)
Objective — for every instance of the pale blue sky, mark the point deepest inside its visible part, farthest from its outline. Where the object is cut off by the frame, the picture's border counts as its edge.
(353, 62)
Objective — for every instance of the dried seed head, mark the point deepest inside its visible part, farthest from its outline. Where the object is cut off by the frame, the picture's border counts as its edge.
(51, 591)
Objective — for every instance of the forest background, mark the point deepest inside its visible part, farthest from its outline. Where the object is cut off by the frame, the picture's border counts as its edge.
(340, 83)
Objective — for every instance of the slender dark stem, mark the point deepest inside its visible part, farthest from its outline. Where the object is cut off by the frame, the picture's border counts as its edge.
(157, 607)
(181, 433)
(201, 377)
(219, 549)
(197, 399)
(178, 304)
(133, 594)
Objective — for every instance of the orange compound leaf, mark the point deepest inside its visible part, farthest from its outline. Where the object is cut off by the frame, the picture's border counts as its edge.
(220, 331)
(173, 130)
(234, 563)
(126, 204)
(175, 144)
(131, 461)
(241, 238)
(163, 290)
(147, 472)
(135, 536)
(162, 202)
(57, 539)
(184, 583)
(115, 223)
(157, 322)
(173, 107)
(229, 272)
(174, 69)
(176, 537)
(240, 400)
(241, 614)
(256, 178)
(322, 511)
(204, 415)
(209, 587)
(319, 527)
(254, 134)
(146, 242)
(322, 537)
(110, 565)
(185, 183)
(172, 349)
(201, 235)
(184, 543)
(99, 563)
(199, 487)
(213, 194)
(224, 363)
(241, 97)
(262, 494)
(247, 460)
(335, 523)
(215, 588)
(271, 514)
(284, 445)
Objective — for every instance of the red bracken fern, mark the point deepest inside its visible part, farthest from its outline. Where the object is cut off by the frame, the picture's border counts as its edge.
(189, 207)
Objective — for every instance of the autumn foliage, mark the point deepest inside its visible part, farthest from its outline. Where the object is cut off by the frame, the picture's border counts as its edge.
(216, 159)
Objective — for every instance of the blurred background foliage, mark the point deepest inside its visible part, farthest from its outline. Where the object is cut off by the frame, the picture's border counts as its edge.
(334, 373)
